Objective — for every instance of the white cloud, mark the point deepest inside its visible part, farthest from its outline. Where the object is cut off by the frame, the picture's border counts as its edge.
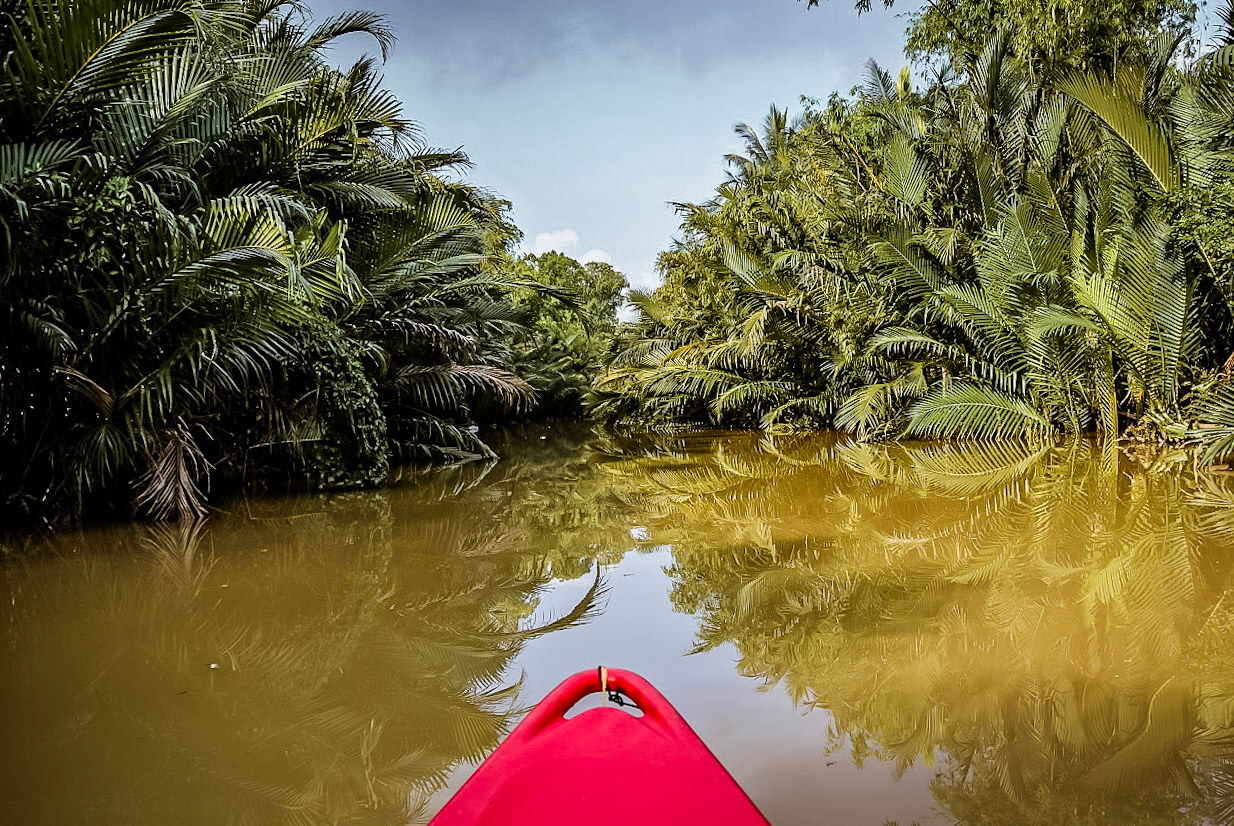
(561, 240)
(596, 254)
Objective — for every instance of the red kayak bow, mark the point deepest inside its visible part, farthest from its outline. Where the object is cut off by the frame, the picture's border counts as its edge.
(603, 767)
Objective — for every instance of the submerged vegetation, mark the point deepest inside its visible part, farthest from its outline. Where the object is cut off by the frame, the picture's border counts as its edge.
(226, 260)
(1019, 245)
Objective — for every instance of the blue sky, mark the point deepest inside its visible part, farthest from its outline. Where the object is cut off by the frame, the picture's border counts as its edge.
(592, 117)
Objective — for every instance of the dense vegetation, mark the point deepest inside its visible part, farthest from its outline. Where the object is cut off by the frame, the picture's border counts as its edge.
(565, 344)
(1034, 240)
(225, 259)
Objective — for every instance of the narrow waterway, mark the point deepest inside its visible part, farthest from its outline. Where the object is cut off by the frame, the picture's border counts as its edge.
(863, 634)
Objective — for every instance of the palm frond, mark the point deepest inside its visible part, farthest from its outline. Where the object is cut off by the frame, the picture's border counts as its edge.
(968, 411)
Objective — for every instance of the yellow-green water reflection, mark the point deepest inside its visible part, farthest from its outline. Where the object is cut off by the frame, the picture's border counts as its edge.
(1044, 636)
(1055, 623)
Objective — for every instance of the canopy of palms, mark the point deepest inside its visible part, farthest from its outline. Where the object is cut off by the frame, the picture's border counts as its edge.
(224, 256)
(994, 255)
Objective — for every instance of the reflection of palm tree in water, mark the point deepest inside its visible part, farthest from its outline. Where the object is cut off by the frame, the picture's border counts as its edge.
(336, 675)
(1053, 621)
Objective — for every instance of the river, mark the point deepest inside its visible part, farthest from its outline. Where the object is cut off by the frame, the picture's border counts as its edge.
(863, 634)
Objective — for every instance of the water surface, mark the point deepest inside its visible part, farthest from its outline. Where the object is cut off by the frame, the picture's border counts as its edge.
(863, 634)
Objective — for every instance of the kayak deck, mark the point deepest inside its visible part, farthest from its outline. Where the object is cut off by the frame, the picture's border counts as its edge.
(602, 766)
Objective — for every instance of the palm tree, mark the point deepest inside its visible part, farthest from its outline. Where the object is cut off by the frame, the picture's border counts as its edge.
(990, 257)
(225, 255)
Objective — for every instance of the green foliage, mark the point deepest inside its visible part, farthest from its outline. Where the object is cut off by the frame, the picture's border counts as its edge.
(351, 448)
(570, 318)
(1003, 252)
(1049, 35)
(225, 259)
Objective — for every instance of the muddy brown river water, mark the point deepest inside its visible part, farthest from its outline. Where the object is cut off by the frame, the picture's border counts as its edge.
(863, 634)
